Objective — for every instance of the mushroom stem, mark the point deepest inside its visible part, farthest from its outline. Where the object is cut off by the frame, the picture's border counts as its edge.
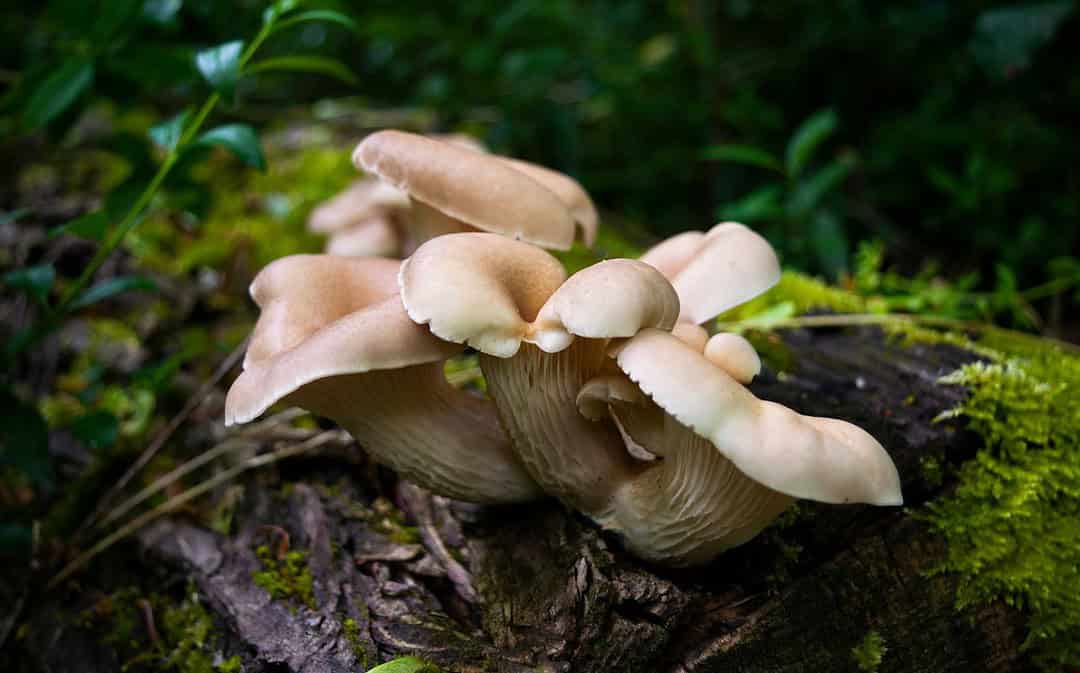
(693, 504)
(576, 460)
(447, 440)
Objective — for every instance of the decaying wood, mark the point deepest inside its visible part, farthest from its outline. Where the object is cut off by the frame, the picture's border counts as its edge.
(535, 588)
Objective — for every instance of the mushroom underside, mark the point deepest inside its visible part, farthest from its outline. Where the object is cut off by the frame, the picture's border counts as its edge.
(447, 440)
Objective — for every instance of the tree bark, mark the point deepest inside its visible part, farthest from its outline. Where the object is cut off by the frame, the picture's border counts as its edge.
(537, 588)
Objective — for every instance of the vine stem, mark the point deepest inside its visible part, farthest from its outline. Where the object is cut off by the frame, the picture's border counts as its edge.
(857, 319)
(131, 218)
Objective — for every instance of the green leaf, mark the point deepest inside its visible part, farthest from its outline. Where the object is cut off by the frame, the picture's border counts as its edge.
(240, 139)
(277, 9)
(220, 66)
(110, 287)
(166, 135)
(24, 439)
(405, 665)
(812, 190)
(36, 281)
(58, 92)
(112, 17)
(328, 15)
(759, 205)
(316, 64)
(13, 215)
(97, 429)
(91, 226)
(807, 138)
(743, 154)
(1006, 38)
(830, 243)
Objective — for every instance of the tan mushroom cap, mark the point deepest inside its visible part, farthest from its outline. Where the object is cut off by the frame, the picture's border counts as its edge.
(569, 191)
(715, 271)
(375, 237)
(362, 200)
(495, 293)
(822, 459)
(303, 293)
(469, 186)
(477, 288)
(378, 337)
(334, 338)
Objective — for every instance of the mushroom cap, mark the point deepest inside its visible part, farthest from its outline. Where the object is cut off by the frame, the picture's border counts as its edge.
(715, 271)
(363, 199)
(734, 354)
(325, 316)
(477, 189)
(610, 299)
(494, 293)
(822, 459)
(300, 294)
(477, 288)
(376, 236)
(569, 191)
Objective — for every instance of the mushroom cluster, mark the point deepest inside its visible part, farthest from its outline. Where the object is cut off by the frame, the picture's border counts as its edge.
(604, 390)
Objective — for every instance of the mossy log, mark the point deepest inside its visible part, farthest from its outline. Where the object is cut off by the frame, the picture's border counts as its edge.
(536, 588)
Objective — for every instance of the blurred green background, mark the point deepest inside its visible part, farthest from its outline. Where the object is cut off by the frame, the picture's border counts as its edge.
(955, 122)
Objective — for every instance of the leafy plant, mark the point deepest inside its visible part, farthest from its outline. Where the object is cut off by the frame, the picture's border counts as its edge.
(798, 205)
(181, 141)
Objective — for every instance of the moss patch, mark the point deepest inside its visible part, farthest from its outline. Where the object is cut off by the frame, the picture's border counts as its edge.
(1013, 522)
(285, 578)
(869, 653)
(183, 632)
(1012, 525)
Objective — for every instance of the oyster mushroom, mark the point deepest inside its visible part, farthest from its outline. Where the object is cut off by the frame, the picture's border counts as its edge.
(661, 444)
(334, 338)
(456, 189)
(541, 337)
(729, 463)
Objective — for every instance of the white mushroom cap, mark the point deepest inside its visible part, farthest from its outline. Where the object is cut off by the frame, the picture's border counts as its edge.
(347, 350)
(734, 354)
(715, 271)
(822, 459)
(477, 189)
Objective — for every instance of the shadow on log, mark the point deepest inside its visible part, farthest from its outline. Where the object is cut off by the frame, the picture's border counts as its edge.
(535, 588)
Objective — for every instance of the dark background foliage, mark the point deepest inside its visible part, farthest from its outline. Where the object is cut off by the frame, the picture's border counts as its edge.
(956, 120)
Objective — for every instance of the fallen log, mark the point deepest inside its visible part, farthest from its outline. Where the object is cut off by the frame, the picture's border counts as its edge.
(537, 588)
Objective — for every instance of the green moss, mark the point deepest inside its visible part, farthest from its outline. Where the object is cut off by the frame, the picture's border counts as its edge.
(1013, 523)
(351, 630)
(287, 578)
(869, 653)
(254, 218)
(185, 632)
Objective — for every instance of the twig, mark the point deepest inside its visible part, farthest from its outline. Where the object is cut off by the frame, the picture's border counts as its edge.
(163, 436)
(190, 494)
(239, 441)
